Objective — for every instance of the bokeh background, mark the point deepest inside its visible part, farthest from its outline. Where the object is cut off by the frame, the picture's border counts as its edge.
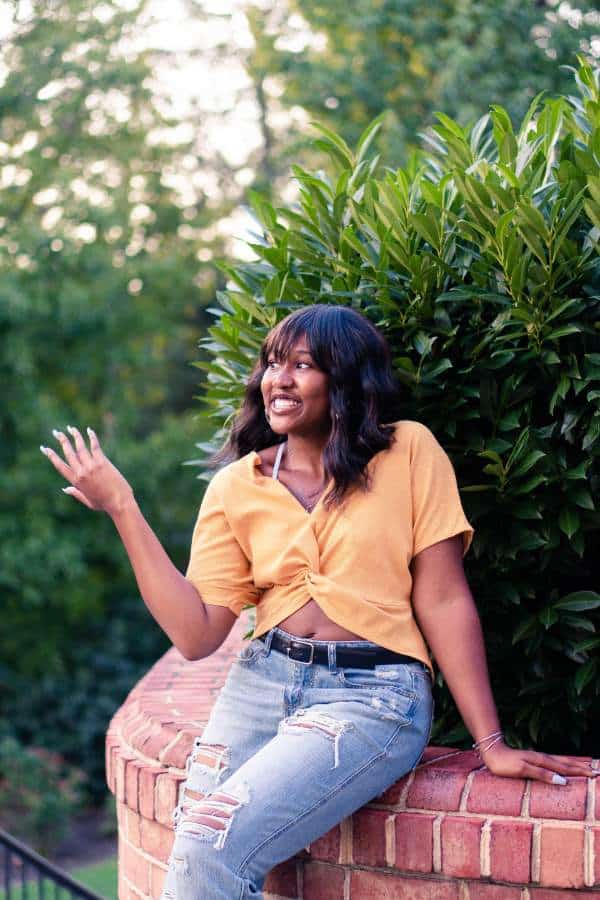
(132, 138)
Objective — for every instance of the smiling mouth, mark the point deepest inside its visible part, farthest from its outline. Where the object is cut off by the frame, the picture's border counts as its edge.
(279, 405)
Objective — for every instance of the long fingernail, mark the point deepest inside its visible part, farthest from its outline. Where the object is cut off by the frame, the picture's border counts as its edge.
(90, 431)
(558, 779)
(56, 433)
(44, 450)
(69, 428)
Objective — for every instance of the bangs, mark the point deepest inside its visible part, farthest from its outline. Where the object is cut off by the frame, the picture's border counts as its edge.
(283, 339)
(309, 323)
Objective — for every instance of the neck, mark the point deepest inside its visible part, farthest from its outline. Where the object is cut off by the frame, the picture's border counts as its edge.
(306, 455)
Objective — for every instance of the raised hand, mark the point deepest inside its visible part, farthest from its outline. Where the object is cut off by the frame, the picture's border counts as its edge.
(503, 760)
(94, 480)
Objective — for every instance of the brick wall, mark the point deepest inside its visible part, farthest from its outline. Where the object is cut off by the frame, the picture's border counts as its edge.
(447, 831)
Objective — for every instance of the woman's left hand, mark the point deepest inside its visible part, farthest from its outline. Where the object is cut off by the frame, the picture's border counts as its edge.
(503, 760)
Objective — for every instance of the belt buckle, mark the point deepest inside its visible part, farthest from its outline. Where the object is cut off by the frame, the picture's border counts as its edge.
(307, 644)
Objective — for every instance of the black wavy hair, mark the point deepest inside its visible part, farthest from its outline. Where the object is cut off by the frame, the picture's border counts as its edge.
(364, 396)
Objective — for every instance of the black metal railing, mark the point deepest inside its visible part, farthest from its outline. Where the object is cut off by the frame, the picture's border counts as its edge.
(28, 876)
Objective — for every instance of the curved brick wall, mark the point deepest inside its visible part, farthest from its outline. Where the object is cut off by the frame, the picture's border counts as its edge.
(448, 831)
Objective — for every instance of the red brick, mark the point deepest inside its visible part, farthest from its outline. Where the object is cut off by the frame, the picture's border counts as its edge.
(156, 743)
(434, 752)
(146, 788)
(391, 795)
(545, 894)
(366, 885)
(493, 892)
(137, 868)
(510, 850)
(165, 798)
(369, 837)
(177, 755)
(156, 839)
(112, 741)
(562, 856)
(283, 880)
(461, 838)
(132, 774)
(121, 873)
(453, 761)
(414, 842)
(322, 882)
(436, 789)
(120, 766)
(132, 827)
(327, 847)
(553, 801)
(157, 878)
(494, 795)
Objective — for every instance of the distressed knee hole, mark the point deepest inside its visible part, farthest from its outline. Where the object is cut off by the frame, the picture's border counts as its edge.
(213, 759)
(211, 816)
(206, 767)
(308, 720)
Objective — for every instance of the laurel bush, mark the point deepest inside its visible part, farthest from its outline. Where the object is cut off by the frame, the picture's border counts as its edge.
(479, 261)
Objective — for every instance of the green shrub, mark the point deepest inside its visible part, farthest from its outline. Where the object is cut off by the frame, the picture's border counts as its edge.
(479, 260)
(38, 794)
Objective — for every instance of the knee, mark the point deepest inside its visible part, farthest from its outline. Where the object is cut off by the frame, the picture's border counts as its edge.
(210, 817)
(204, 864)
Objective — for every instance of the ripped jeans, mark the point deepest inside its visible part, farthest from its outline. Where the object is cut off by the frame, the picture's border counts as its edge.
(289, 751)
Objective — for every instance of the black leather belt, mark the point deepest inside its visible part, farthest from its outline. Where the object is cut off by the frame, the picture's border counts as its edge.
(307, 652)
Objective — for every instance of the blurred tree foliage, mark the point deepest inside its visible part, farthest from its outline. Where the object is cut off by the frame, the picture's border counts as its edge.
(345, 63)
(100, 309)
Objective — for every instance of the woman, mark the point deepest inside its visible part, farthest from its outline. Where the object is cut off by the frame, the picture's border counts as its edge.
(342, 523)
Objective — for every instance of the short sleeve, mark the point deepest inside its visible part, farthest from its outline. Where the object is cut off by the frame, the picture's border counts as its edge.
(437, 508)
(218, 567)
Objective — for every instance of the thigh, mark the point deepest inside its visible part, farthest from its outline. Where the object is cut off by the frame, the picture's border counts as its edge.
(244, 717)
(326, 760)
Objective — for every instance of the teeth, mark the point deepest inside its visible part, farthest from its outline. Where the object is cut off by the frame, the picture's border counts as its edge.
(280, 404)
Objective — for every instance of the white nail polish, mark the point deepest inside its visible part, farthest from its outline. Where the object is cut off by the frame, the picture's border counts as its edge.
(55, 433)
(44, 450)
(558, 779)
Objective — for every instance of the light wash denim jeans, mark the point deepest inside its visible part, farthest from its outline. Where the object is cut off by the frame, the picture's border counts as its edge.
(290, 749)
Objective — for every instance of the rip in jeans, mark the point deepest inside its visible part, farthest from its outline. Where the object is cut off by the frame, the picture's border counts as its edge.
(209, 814)
(317, 721)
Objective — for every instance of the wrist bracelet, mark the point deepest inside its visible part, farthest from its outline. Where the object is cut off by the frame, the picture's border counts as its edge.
(480, 750)
(489, 740)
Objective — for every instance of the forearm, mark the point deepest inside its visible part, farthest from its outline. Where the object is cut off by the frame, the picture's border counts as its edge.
(172, 600)
(452, 629)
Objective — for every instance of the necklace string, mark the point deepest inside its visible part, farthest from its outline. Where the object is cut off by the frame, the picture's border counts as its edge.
(308, 500)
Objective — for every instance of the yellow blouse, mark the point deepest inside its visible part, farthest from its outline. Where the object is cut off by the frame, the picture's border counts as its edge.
(253, 542)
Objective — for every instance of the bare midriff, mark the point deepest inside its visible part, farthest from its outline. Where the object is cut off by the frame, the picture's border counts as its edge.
(309, 621)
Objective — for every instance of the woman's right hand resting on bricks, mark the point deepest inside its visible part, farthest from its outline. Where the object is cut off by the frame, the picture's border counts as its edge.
(195, 628)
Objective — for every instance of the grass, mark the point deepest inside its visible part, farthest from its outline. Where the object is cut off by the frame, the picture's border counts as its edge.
(100, 877)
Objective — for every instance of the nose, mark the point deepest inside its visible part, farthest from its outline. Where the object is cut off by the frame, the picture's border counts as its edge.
(284, 375)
